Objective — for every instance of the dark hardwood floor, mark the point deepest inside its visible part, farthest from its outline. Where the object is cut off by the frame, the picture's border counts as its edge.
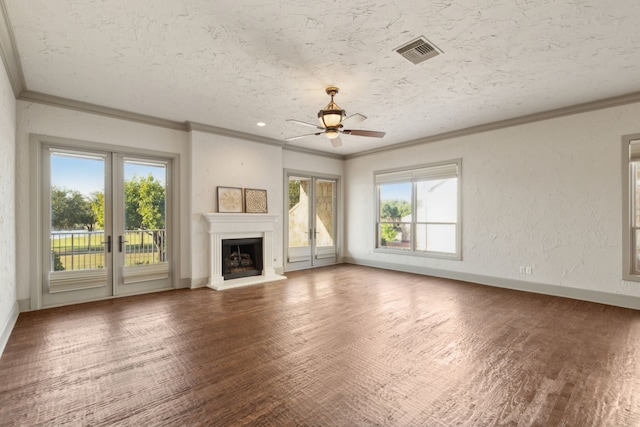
(336, 346)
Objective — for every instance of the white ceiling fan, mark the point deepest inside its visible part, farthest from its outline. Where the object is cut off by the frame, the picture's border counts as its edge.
(332, 121)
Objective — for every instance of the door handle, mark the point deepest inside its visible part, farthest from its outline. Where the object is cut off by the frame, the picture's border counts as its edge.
(121, 243)
(108, 243)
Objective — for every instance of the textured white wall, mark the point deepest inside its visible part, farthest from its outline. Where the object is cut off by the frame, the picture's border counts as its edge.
(320, 165)
(42, 119)
(230, 162)
(545, 194)
(7, 206)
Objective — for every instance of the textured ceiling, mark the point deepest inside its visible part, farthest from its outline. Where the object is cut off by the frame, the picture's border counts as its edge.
(233, 63)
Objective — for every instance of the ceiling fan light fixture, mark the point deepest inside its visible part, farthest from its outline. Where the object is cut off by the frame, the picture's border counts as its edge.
(331, 118)
(332, 133)
(331, 115)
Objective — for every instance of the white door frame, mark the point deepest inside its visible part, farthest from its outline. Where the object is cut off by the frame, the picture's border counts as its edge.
(313, 262)
(36, 241)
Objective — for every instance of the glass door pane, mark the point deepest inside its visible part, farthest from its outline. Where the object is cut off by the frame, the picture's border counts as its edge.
(76, 258)
(299, 249)
(325, 221)
(77, 212)
(142, 236)
(312, 219)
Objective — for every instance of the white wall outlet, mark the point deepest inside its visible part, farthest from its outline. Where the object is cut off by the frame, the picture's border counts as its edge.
(529, 270)
(521, 269)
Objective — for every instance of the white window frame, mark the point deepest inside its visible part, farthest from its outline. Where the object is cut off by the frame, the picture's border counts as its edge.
(630, 161)
(413, 175)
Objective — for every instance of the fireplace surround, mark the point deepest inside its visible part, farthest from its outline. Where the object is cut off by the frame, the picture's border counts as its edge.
(240, 226)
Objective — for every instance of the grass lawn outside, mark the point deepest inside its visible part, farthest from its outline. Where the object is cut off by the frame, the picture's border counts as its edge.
(85, 250)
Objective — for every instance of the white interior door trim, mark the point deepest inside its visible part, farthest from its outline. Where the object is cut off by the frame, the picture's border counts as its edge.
(318, 255)
(38, 168)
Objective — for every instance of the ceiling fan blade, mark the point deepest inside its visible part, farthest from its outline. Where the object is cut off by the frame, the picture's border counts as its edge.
(371, 133)
(336, 142)
(354, 118)
(302, 136)
(304, 123)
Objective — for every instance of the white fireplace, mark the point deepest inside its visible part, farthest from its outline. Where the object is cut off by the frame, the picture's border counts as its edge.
(240, 226)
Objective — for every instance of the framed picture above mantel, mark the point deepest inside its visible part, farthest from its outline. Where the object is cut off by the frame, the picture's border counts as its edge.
(239, 200)
(255, 201)
(230, 199)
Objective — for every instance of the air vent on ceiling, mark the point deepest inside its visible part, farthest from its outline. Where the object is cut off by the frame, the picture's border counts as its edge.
(418, 50)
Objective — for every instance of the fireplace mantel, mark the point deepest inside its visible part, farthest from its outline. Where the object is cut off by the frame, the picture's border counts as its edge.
(238, 226)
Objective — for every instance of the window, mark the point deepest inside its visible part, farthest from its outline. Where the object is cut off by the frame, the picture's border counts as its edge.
(631, 153)
(418, 210)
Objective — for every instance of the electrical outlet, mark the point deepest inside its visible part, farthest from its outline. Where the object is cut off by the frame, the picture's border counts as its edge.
(529, 270)
(521, 269)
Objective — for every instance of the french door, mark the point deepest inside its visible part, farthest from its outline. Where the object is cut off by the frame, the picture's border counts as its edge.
(312, 221)
(105, 226)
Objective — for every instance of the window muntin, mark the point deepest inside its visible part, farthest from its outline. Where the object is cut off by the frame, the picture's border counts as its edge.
(418, 210)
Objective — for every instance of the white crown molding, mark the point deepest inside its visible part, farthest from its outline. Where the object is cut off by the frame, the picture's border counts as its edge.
(214, 130)
(313, 152)
(57, 101)
(200, 127)
(85, 107)
(27, 95)
(516, 121)
(9, 53)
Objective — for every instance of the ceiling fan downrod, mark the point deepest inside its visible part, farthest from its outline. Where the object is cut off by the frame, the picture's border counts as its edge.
(332, 115)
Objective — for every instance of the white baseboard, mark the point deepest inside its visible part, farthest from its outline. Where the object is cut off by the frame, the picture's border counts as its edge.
(199, 283)
(24, 305)
(7, 328)
(619, 300)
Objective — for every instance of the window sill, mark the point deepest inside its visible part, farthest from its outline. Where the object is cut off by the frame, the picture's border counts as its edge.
(436, 255)
(631, 277)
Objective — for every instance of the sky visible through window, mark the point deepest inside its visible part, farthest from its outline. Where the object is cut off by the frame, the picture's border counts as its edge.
(400, 191)
(86, 174)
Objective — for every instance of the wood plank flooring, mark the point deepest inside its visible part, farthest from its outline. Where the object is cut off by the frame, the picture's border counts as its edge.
(335, 346)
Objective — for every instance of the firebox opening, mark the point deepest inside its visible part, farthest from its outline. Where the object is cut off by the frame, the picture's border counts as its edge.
(241, 258)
